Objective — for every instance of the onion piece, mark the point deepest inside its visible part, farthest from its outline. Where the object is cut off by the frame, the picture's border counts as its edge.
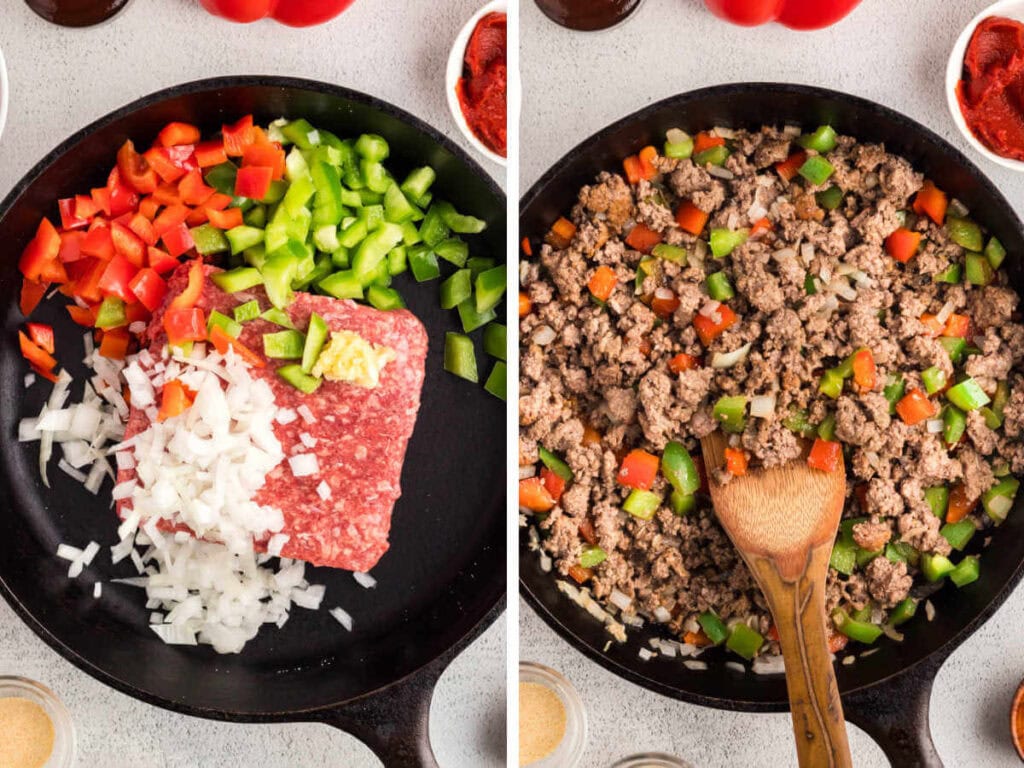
(722, 360)
(720, 172)
(762, 406)
(934, 426)
(620, 600)
(543, 335)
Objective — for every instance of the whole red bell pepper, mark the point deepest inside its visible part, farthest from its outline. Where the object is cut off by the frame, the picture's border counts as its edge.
(294, 13)
(796, 14)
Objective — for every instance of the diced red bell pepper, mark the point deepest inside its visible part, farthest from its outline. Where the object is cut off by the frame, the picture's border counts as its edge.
(238, 136)
(825, 455)
(87, 286)
(197, 217)
(160, 261)
(664, 307)
(31, 294)
(709, 329)
(169, 218)
(114, 344)
(68, 219)
(149, 288)
(642, 238)
(218, 201)
(931, 201)
(149, 208)
(761, 225)
(188, 297)
(144, 229)
(631, 167)
(178, 133)
(193, 189)
(117, 278)
(128, 244)
(101, 199)
(268, 154)
(227, 219)
(534, 496)
(35, 354)
(736, 461)
(683, 362)
(253, 181)
(222, 341)
(184, 325)
(210, 153)
(40, 261)
(122, 197)
(959, 505)
(638, 470)
(932, 324)
(903, 244)
(85, 207)
(178, 240)
(690, 218)
(168, 194)
(84, 316)
(99, 243)
(554, 484)
(175, 399)
(42, 336)
(71, 246)
(915, 407)
(159, 160)
(958, 326)
(602, 283)
(647, 156)
(704, 141)
(864, 372)
(787, 169)
(134, 170)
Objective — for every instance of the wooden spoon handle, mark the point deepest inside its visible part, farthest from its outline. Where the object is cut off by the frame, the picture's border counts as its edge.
(799, 611)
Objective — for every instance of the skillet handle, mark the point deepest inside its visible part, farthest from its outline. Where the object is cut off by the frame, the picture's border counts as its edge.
(395, 722)
(895, 714)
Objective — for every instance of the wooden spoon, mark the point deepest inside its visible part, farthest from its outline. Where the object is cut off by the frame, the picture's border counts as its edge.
(783, 521)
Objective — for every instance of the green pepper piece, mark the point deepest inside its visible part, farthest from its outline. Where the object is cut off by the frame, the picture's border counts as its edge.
(398, 260)
(713, 627)
(958, 534)
(495, 383)
(471, 319)
(379, 276)
(895, 387)
(376, 177)
(494, 340)
(490, 287)
(816, 169)
(456, 289)
(299, 193)
(967, 395)
(954, 424)
(744, 641)
(863, 614)
(861, 631)
(642, 504)
(935, 567)
(864, 556)
(111, 313)
(966, 572)
(998, 500)
(964, 233)
(796, 421)
(712, 156)
(353, 234)
(374, 249)
(301, 134)
(934, 379)
(323, 266)
(725, 241)
(397, 208)
(719, 287)
(977, 270)
(453, 250)
(372, 147)
(243, 238)
(821, 141)
(255, 217)
(410, 233)
(459, 357)
(938, 499)
(678, 144)
(238, 279)
(458, 223)
(894, 554)
(245, 312)
(555, 464)
(316, 339)
(384, 299)
(418, 182)
(278, 273)
(679, 469)
(674, 253)
(810, 286)
(831, 384)
(278, 317)
(592, 556)
(327, 205)
(903, 612)
(995, 252)
(480, 264)
(433, 229)
(217, 319)
(284, 345)
(423, 263)
(844, 555)
(730, 412)
(955, 347)
(222, 178)
(830, 199)
(209, 239)
(292, 373)
(951, 274)
(645, 269)
(682, 504)
(276, 192)
(342, 285)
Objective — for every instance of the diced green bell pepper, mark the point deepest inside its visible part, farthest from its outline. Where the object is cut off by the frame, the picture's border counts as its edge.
(398, 260)
(954, 424)
(555, 464)
(218, 319)
(471, 319)
(642, 504)
(490, 287)
(238, 279)
(292, 373)
(372, 147)
(725, 241)
(496, 382)
(397, 209)
(209, 239)
(810, 285)
(933, 378)
(111, 313)
(679, 469)
(301, 134)
(316, 339)
(417, 183)
(433, 229)
(374, 249)
(995, 252)
(966, 572)
(278, 273)
(322, 267)
(935, 567)
(342, 285)
(284, 345)
(592, 556)
(453, 250)
(796, 421)
(674, 253)
(830, 199)
(384, 299)
(831, 384)
(938, 499)
(895, 387)
(719, 287)
(903, 612)
(712, 156)
(958, 534)
(713, 627)
(844, 555)
(456, 289)
(965, 233)
(494, 340)
(967, 395)
(954, 346)
(998, 500)
(816, 169)
(327, 205)
(681, 503)
(243, 238)
(861, 631)
(423, 263)
(821, 141)
(458, 223)
(222, 178)
(951, 274)
(255, 217)
(376, 177)
(479, 264)
(744, 641)
(245, 312)
(459, 357)
(977, 270)
(730, 412)
(678, 144)
(278, 317)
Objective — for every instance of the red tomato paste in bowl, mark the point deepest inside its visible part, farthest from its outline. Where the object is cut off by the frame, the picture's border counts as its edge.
(483, 85)
(991, 91)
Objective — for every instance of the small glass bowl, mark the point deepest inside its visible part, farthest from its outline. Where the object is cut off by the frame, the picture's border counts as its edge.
(651, 760)
(64, 747)
(569, 751)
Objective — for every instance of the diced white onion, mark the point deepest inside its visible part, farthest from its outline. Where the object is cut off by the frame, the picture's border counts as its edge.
(934, 426)
(364, 580)
(825, 273)
(929, 610)
(527, 471)
(662, 614)
(891, 632)
(342, 617)
(710, 308)
(543, 335)
(720, 172)
(762, 406)
(620, 600)
(943, 314)
(807, 254)
(97, 590)
(676, 136)
(67, 552)
(286, 416)
(695, 665)
(999, 507)
(30, 379)
(769, 665)
(645, 654)
(843, 289)
(304, 464)
(306, 414)
(323, 490)
(70, 471)
(729, 359)
(276, 543)
(307, 440)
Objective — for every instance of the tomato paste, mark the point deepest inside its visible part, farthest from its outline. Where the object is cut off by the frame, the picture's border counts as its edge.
(991, 92)
(482, 87)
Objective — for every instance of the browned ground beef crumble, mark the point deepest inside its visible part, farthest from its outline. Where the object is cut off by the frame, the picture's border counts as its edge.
(607, 368)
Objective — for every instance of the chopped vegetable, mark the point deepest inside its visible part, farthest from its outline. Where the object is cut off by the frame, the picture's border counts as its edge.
(459, 357)
(915, 407)
(744, 641)
(496, 381)
(678, 467)
(730, 412)
(965, 233)
(638, 470)
(861, 631)
(823, 140)
(711, 327)
(966, 572)
(967, 395)
(602, 283)
(825, 455)
(735, 461)
(725, 241)
(592, 556)
(690, 218)
(931, 201)
(713, 627)
(642, 504)
(816, 169)
(903, 244)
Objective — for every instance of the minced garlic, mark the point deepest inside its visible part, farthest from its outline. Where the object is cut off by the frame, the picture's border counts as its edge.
(351, 358)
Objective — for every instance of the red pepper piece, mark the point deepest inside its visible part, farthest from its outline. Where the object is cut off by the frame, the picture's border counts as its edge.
(253, 181)
(178, 240)
(134, 170)
(178, 133)
(42, 336)
(184, 325)
(149, 288)
(117, 277)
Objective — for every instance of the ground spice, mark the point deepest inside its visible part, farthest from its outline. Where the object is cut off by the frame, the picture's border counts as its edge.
(541, 722)
(26, 734)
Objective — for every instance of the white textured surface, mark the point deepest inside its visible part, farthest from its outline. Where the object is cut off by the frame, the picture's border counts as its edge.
(892, 51)
(63, 79)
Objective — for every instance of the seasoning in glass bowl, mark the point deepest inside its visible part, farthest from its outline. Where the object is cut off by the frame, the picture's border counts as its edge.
(27, 734)
(552, 720)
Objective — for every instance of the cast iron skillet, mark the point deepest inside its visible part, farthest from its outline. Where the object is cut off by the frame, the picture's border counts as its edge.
(886, 693)
(439, 586)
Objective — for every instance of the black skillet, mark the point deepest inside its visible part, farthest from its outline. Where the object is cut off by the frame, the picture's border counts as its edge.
(439, 586)
(888, 692)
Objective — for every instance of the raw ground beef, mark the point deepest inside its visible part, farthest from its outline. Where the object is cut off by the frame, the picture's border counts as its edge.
(606, 370)
(361, 434)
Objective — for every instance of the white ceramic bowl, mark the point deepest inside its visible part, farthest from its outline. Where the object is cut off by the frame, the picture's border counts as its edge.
(5, 89)
(1011, 9)
(454, 72)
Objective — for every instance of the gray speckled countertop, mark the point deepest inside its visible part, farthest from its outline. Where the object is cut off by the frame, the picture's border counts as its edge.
(892, 51)
(63, 79)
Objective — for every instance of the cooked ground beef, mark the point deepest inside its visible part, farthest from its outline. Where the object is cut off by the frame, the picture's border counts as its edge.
(814, 283)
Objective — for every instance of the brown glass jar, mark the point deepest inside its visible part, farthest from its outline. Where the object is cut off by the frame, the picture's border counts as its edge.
(587, 15)
(76, 13)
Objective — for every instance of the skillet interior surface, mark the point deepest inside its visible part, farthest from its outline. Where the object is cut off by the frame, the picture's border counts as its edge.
(444, 575)
(751, 105)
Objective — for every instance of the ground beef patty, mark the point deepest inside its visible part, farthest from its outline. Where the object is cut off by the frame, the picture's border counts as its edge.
(814, 282)
(359, 435)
